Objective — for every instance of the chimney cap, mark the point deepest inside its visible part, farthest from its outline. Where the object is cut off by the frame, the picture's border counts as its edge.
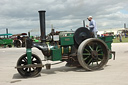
(41, 11)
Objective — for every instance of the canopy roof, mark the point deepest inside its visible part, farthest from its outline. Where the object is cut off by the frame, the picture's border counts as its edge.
(5, 34)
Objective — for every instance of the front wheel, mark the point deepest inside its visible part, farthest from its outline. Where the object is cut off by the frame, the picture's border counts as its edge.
(9, 46)
(29, 71)
(92, 54)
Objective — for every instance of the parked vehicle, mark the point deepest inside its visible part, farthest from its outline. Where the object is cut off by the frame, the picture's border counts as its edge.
(5, 41)
(19, 39)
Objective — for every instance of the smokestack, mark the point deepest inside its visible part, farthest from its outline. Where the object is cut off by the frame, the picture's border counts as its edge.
(42, 25)
(29, 34)
(124, 25)
(7, 32)
(83, 23)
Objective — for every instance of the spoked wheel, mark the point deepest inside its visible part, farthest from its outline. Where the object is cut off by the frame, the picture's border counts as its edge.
(92, 54)
(31, 70)
(18, 43)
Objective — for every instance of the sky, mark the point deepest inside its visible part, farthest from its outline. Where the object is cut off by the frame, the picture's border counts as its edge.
(21, 16)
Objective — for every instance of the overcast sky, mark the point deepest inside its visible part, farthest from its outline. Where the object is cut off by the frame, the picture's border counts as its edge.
(22, 15)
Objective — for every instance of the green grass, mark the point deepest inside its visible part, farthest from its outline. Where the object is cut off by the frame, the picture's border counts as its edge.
(117, 40)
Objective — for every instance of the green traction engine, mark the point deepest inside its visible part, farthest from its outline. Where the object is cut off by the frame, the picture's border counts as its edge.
(78, 49)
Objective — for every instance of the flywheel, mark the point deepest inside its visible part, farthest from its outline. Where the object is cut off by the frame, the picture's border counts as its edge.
(81, 34)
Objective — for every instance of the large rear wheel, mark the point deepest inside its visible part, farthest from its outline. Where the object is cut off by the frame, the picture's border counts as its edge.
(92, 54)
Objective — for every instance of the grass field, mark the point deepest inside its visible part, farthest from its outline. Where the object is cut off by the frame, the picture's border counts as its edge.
(117, 40)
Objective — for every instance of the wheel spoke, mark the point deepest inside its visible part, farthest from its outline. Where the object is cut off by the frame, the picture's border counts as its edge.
(32, 58)
(100, 54)
(29, 69)
(23, 62)
(99, 50)
(33, 68)
(87, 50)
(86, 54)
(99, 59)
(25, 69)
(35, 61)
(25, 59)
(90, 48)
(86, 58)
(89, 61)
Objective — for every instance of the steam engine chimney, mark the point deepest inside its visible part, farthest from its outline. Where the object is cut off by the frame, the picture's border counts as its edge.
(7, 32)
(42, 25)
(124, 25)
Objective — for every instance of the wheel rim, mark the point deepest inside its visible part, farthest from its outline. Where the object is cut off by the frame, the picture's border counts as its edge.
(31, 71)
(92, 54)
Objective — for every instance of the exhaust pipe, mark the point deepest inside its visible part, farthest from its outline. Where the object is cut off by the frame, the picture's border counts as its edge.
(42, 46)
(42, 25)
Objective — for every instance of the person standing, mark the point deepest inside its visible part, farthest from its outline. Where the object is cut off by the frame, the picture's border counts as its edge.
(120, 36)
(92, 26)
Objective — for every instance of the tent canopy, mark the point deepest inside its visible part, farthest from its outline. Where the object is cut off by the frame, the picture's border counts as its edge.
(5, 34)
